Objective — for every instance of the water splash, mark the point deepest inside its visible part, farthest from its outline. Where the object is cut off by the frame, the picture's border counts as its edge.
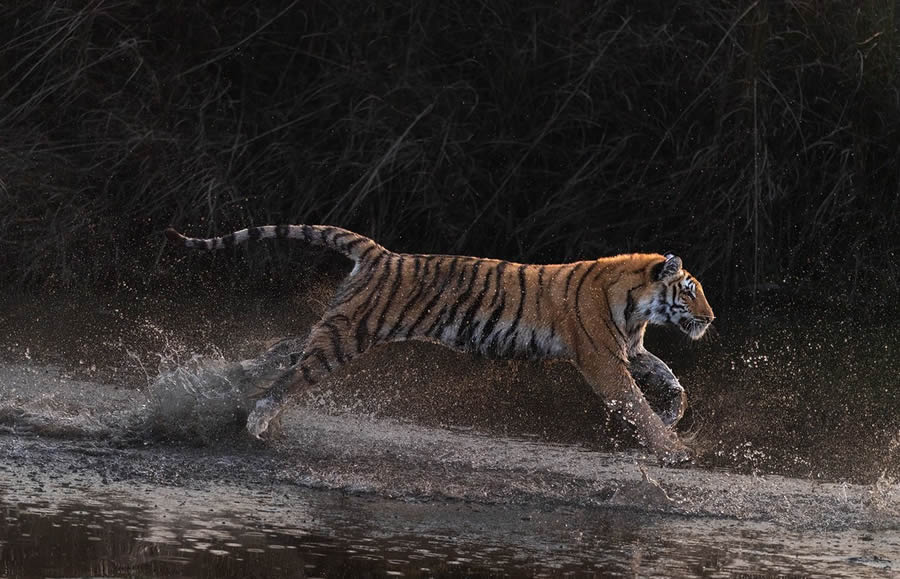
(190, 397)
(199, 400)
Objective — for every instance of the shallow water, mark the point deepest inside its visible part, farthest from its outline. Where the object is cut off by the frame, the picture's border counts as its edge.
(75, 525)
(347, 495)
(426, 463)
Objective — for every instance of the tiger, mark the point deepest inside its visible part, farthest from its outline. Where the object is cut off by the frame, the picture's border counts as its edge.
(593, 313)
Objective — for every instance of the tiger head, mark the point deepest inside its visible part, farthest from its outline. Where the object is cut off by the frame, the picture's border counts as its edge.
(678, 298)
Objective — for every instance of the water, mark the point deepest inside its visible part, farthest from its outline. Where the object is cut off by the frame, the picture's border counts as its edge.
(349, 495)
(63, 525)
(420, 462)
(114, 538)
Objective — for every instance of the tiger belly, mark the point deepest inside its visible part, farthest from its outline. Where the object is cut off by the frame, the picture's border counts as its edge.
(503, 341)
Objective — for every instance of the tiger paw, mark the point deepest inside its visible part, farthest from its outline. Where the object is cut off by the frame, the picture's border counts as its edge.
(258, 421)
(676, 454)
(668, 448)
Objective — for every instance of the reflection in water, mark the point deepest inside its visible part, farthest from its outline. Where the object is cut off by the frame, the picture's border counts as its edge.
(87, 540)
(41, 539)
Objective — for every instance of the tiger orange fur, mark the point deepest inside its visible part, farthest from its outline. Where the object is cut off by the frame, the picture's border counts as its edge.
(593, 313)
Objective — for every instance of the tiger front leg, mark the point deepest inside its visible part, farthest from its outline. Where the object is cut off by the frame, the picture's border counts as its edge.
(659, 385)
(615, 385)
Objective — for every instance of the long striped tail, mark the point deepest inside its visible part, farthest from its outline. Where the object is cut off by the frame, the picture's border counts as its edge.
(353, 245)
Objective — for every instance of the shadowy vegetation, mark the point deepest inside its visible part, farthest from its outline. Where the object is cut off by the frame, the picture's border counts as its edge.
(758, 139)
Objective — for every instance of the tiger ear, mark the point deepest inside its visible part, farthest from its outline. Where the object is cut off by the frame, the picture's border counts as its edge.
(666, 270)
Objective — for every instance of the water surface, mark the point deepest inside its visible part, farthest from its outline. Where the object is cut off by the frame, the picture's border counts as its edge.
(122, 453)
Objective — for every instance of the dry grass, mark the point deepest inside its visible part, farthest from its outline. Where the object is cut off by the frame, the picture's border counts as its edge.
(757, 139)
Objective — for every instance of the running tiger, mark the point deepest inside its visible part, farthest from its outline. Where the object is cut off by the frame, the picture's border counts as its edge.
(593, 313)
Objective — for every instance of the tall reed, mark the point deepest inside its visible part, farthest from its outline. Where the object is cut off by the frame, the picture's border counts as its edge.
(758, 139)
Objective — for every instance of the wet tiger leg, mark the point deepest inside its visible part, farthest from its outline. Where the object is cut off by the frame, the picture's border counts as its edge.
(255, 372)
(618, 389)
(327, 348)
(659, 385)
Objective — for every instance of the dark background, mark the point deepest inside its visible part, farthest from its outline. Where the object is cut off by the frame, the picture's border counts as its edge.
(759, 140)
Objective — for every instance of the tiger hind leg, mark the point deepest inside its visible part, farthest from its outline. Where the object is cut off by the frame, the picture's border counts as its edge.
(254, 373)
(327, 348)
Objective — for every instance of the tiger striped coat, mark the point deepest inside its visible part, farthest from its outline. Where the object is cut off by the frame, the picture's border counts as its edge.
(593, 313)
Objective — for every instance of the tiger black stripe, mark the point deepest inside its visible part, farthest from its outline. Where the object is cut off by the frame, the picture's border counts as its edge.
(629, 304)
(569, 279)
(488, 330)
(451, 316)
(467, 328)
(318, 355)
(339, 236)
(357, 283)
(616, 355)
(417, 269)
(501, 267)
(549, 285)
(425, 310)
(579, 286)
(553, 277)
(578, 316)
(254, 233)
(438, 321)
(368, 307)
(540, 291)
(522, 293)
(438, 294)
(335, 342)
(532, 345)
(348, 247)
(417, 294)
(398, 279)
(613, 326)
(365, 254)
(612, 319)
(614, 330)
(616, 333)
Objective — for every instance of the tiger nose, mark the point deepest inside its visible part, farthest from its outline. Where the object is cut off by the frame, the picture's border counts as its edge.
(705, 319)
